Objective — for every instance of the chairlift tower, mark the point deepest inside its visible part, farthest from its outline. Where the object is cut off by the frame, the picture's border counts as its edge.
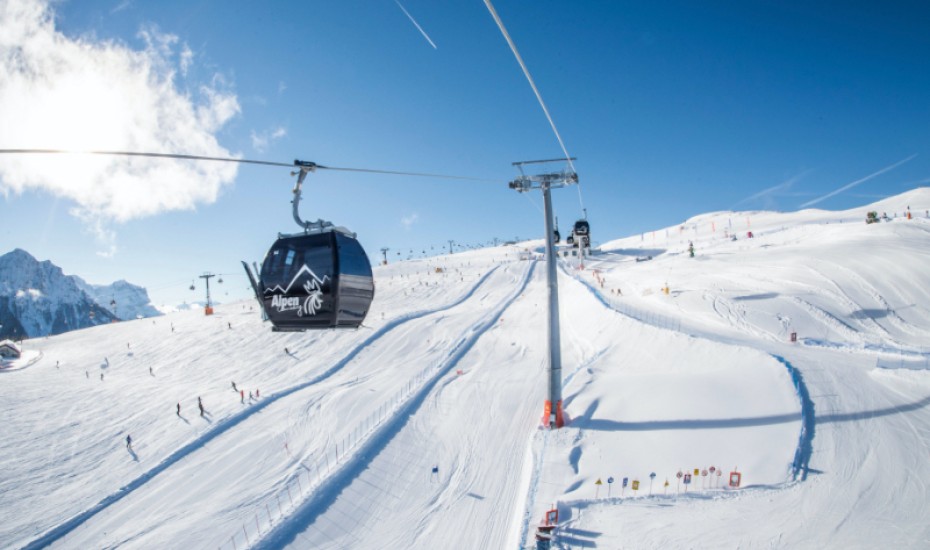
(384, 252)
(545, 182)
(208, 309)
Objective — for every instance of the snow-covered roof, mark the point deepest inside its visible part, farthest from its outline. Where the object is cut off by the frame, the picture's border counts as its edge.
(10, 345)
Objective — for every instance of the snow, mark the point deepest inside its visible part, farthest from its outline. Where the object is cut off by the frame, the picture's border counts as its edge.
(829, 432)
(164, 309)
(26, 359)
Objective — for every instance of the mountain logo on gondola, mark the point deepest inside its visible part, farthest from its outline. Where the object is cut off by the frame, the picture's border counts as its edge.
(308, 305)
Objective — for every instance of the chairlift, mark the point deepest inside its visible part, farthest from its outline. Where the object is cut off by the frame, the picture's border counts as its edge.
(318, 278)
(192, 286)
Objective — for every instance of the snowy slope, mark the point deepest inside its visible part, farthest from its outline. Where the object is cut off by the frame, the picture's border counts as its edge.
(421, 430)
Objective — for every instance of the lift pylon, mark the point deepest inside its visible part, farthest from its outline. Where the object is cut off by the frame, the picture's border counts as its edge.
(552, 408)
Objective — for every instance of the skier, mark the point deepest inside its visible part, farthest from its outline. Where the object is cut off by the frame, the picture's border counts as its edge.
(250, 397)
(234, 386)
(150, 371)
(256, 393)
(101, 377)
(179, 409)
(242, 396)
(691, 248)
(200, 404)
(286, 351)
(230, 325)
(129, 442)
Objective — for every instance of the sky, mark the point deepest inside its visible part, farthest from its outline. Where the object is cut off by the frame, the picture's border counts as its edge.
(672, 109)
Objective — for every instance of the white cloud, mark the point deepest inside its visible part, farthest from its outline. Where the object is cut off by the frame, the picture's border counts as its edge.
(81, 94)
(261, 141)
(187, 59)
(408, 221)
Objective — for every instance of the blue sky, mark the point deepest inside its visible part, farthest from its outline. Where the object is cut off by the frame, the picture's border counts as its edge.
(672, 108)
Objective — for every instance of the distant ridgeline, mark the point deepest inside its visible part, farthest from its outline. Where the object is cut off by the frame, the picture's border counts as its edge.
(38, 299)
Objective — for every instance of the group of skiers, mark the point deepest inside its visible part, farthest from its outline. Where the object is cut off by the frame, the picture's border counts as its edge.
(203, 411)
(242, 393)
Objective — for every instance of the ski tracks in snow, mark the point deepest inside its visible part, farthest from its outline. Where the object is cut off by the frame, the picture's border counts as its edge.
(222, 427)
(361, 457)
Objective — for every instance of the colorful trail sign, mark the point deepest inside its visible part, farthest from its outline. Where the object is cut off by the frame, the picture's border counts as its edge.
(735, 479)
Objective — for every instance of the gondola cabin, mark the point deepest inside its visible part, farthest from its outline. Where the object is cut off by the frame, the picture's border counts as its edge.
(315, 281)
(581, 234)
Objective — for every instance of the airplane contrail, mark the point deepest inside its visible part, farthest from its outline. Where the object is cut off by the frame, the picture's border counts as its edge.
(774, 189)
(857, 182)
(415, 24)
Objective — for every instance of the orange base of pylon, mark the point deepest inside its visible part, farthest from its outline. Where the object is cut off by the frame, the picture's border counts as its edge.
(208, 310)
(547, 414)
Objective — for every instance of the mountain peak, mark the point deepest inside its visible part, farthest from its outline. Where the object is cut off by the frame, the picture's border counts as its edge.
(37, 299)
(18, 254)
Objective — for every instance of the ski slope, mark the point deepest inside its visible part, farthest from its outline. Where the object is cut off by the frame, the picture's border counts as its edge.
(421, 429)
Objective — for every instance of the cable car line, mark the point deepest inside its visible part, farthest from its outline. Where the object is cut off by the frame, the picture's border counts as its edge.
(526, 72)
(306, 164)
(140, 154)
(529, 78)
(318, 278)
(418, 174)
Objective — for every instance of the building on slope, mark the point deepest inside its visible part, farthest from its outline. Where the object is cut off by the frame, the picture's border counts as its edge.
(9, 350)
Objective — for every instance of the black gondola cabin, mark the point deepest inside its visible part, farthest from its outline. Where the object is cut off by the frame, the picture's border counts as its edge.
(581, 234)
(315, 281)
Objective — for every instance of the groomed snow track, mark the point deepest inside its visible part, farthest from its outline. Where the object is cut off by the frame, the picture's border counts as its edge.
(326, 493)
(57, 533)
(802, 453)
